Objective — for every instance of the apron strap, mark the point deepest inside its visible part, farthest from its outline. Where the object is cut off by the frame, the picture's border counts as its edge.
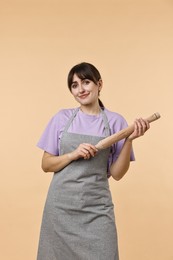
(106, 123)
(70, 120)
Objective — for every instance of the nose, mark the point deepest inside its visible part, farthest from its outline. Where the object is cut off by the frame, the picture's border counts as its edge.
(81, 89)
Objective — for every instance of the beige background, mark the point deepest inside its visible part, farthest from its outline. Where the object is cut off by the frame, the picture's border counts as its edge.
(131, 43)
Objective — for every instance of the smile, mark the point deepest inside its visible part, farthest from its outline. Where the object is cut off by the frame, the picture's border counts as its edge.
(84, 96)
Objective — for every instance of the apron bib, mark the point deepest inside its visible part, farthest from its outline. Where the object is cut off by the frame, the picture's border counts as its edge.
(78, 220)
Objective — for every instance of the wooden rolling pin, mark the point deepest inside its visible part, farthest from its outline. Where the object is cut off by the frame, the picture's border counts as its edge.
(124, 133)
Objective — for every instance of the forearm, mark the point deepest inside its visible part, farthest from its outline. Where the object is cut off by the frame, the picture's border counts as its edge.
(119, 168)
(52, 163)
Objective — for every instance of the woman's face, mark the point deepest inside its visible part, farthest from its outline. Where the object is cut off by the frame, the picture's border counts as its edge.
(85, 91)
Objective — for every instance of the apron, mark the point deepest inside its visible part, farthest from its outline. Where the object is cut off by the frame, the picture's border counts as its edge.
(78, 219)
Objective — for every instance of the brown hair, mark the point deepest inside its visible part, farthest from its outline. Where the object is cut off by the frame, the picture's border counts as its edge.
(84, 70)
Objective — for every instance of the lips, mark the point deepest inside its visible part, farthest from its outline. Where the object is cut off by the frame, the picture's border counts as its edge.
(84, 96)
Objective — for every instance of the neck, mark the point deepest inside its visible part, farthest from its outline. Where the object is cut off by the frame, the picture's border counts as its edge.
(91, 110)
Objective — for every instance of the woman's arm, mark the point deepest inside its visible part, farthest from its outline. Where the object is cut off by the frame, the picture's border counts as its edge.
(53, 163)
(121, 165)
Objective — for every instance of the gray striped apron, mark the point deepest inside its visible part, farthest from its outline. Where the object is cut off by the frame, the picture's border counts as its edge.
(78, 219)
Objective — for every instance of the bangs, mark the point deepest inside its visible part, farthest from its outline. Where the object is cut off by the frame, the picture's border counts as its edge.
(84, 75)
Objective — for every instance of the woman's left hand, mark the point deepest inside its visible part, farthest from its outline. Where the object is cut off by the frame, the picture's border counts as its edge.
(140, 127)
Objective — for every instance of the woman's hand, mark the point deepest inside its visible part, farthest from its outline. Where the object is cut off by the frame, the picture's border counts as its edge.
(140, 127)
(84, 150)
(55, 163)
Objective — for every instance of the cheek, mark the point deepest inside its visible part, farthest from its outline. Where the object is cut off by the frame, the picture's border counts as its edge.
(96, 92)
(73, 92)
(75, 95)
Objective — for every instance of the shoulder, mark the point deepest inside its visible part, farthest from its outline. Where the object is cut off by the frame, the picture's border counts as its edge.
(113, 115)
(60, 118)
(63, 114)
(116, 120)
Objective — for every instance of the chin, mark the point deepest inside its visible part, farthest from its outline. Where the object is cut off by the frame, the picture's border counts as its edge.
(83, 102)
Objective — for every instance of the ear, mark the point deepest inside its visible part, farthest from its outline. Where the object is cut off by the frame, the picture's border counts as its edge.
(100, 84)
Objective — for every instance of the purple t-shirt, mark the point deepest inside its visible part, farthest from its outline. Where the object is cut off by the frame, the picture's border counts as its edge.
(82, 124)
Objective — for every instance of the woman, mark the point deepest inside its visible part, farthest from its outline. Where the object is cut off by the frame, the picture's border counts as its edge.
(78, 220)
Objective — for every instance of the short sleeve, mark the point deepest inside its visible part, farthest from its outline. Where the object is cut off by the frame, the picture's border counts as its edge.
(117, 126)
(117, 147)
(49, 139)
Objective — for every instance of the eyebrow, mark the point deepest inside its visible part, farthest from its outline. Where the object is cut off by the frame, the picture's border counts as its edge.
(80, 79)
(74, 82)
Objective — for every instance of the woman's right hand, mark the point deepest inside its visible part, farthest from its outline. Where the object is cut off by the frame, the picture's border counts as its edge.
(54, 163)
(85, 151)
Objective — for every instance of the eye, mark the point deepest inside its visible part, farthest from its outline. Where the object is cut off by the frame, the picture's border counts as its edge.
(74, 85)
(86, 81)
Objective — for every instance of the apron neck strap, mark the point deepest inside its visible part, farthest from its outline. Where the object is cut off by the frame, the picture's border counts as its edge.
(70, 120)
